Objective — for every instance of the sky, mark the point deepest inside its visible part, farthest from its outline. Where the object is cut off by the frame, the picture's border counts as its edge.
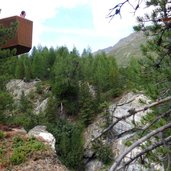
(73, 23)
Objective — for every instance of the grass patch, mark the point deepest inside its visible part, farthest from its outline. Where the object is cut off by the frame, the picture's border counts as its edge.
(18, 149)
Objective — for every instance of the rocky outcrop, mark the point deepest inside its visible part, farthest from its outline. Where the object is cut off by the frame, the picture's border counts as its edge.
(92, 131)
(40, 132)
(94, 165)
(118, 109)
(40, 106)
(17, 87)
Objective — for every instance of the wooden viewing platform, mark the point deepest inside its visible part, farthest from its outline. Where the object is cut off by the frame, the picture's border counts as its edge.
(22, 41)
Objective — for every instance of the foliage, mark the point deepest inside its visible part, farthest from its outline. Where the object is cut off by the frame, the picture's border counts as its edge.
(2, 134)
(25, 116)
(103, 152)
(6, 102)
(87, 104)
(22, 148)
(39, 88)
(7, 70)
(7, 32)
(69, 146)
(17, 149)
(66, 85)
(51, 114)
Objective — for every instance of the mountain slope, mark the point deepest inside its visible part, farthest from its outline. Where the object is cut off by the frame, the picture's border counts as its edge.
(126, 48)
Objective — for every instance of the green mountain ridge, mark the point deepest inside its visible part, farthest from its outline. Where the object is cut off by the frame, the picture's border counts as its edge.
(126, 48)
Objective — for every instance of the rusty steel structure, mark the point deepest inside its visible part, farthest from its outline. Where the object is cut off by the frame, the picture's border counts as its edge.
(22, 40)
(165, 19)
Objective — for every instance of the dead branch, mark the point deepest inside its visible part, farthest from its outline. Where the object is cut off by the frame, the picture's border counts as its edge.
(107, 129)
(137, 143)
(155, 120)
(150, 148)
(134, 111)
(130, 131)
(116, 10)
(118, 120)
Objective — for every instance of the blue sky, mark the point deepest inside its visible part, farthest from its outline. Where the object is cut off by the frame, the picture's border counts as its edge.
(76, 23)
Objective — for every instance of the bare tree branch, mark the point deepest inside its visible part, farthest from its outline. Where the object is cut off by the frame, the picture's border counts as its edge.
(134, 111)
(137, 143)
(150, 148)
(116, 10)
(113, 124)
(155, 120)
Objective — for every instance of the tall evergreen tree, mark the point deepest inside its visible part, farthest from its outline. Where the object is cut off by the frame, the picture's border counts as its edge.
(66, 83)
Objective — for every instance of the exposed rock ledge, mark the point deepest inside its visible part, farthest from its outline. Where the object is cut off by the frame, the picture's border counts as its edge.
(41, 133)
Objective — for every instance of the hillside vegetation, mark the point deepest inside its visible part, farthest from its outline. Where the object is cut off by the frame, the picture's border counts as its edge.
(78, 89)
(126, 48)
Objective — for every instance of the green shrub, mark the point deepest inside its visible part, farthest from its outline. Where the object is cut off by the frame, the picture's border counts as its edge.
(27, 120)
(17, 141)
(17, 157)
(6, 102)
(39, 88)
(103, 152)
(69, 146)
(2, 134)
(22, 148)
(35, 145)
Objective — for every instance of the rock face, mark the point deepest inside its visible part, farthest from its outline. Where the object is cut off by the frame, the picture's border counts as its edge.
(40, 106)
(92, 131)
(94, 165)
(121, 108)
(41, 133)
(17, 87)
(118, 109)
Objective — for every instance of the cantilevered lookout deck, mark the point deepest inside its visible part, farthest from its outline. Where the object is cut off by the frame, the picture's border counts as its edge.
(22, 41)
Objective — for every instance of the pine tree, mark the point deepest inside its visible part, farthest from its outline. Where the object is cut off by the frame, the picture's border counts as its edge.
(66, 83)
